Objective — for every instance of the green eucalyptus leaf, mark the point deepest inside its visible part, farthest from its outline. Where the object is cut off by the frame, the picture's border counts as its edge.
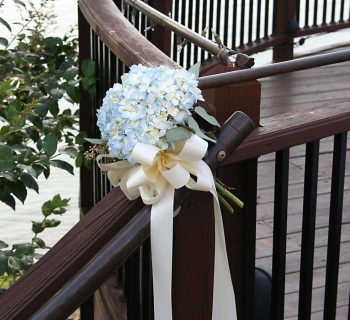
(29, 181)
(62, 165)
(4, 42)
(193, 124)
(203, 113)
(195, 69)
(178, 134)
(7, 158)
(94, 141)
(50, 144)
(4, 22)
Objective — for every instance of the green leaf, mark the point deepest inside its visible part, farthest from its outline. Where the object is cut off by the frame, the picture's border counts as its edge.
(19, 190)
(42, 109)
(203, 113)
(4, 41)
(94, 141)
(178, 134)
(193, 124)
(53, 106)
(88, 67)
(50, 144)
(39, 243)
(29, 181)
(73, 93)
(3, 245)
(62, 165)
(4, 22)
(37, 227)
(196, 69)
(86, 82)
(4, 87)
(51, 223)
(10, 176)
(23, 248)
(10, 201)
(7, 159)
(55, 206)
(79, 160)
(3, 264)
(71, 151)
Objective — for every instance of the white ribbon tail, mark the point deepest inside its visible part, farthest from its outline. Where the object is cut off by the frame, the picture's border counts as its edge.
(162, 253)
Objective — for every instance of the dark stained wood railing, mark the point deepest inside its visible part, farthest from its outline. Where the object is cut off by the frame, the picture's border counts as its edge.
(114, 44)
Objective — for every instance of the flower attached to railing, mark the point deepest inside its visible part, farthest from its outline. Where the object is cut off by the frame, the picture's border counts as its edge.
(152, 145)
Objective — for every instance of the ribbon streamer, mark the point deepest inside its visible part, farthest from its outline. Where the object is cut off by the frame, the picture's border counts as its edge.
(154, 178)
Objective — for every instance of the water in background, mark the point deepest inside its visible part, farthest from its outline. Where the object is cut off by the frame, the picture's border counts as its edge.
(15, 226)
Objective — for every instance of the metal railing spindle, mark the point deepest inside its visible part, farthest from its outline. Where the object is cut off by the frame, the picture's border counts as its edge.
(308, 229)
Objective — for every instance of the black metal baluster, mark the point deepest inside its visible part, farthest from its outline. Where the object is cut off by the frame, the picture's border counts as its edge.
(226, 24)
(308, 229)
(258, 20)
(147, 288)
(176, 37)
(266, 26)
(241, 41)
(342, 6)
(204, 25)
(250, 234)
(132, 286)
(324, 18)
(234, 25)
(183, 20)
(334, 229)
(211, 19)
(190, 24)
(334, 2)
(315, 12)
(297, 11)
(218, 18)
(307, 9)
(250, 26)
(101, 63)
(196, 29)
(279, 234)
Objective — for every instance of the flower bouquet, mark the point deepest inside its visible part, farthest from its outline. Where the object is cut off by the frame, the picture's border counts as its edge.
(151, 144)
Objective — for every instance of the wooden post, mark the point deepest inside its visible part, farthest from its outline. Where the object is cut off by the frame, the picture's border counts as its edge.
(193, 259)
(161, 37)
(284, 14)
(86, 124)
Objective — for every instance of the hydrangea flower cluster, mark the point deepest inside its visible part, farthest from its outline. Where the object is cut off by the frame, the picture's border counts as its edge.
(147, 103)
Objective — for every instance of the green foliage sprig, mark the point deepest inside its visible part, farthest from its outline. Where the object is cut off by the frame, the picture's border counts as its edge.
(36, 72)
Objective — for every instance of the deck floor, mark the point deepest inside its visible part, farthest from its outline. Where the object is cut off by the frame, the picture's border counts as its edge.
(287, 93)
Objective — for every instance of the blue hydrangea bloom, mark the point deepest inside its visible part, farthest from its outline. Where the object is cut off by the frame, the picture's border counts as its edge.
(147, 103)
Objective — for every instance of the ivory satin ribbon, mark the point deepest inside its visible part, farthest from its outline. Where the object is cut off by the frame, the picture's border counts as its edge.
(154, 177)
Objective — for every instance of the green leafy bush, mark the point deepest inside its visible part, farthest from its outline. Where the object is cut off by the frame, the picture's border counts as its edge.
(36, 72)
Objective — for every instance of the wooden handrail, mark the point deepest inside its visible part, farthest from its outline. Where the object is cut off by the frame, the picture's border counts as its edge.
(233, 77)
(291, 129)
(120, 35)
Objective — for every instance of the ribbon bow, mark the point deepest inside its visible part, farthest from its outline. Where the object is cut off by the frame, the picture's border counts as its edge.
(155, 177)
